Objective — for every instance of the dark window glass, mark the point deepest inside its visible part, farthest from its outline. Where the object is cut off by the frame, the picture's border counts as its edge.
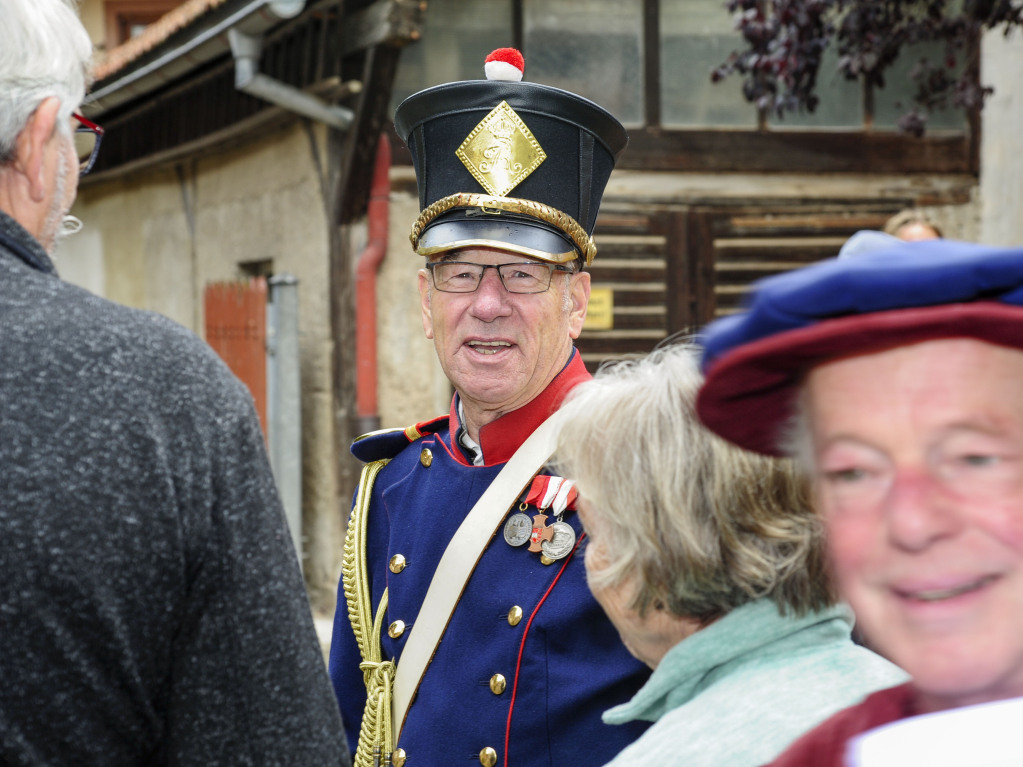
(696, 36)
(589, 47)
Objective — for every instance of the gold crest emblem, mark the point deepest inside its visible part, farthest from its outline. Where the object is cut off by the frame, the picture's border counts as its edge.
(500, 152)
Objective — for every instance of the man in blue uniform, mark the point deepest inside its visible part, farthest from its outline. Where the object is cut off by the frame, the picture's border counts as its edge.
(502, 655)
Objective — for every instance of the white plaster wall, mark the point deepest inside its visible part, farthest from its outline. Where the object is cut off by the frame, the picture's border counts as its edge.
(117, 217)
(91, 14)
(165, 233)
(79, 260)
(1001, 152)
(411, 384)
(957, 222)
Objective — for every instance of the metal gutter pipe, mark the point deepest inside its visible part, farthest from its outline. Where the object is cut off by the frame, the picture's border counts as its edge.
(377, 216)
(253, 18)
(247, 78)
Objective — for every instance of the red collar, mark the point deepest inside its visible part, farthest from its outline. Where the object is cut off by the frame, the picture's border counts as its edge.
(501, 438)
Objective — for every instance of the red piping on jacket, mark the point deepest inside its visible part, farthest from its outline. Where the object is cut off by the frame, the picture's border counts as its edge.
(522, 644)
(366, 284)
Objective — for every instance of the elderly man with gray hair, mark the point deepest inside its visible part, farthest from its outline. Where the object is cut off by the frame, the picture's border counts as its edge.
(896, 378)
(151, 606)
(710, 563)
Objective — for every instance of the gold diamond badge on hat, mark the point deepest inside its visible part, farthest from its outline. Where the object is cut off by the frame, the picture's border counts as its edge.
(500, 152)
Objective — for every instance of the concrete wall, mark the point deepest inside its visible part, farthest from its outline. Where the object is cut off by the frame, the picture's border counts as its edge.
(91, 14)
(1001, 155)
(155, 239)
(412, 386)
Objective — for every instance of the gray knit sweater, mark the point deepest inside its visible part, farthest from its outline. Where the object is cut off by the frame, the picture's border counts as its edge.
(151, 606)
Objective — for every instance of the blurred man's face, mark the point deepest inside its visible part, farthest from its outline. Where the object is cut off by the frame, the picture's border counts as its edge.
(501, 349)
(918, 461)
(916, 231)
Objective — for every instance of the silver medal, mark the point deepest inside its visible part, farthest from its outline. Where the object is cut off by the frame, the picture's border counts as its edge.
(562, 543)
(518, 529)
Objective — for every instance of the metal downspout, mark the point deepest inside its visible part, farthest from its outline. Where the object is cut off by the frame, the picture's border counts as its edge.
(378, 213)
(246, 49)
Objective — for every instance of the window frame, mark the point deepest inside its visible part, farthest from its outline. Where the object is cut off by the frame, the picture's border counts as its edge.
(120, 15)
(763, 148)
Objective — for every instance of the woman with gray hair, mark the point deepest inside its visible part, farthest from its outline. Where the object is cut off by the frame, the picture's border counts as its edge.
(710, 563)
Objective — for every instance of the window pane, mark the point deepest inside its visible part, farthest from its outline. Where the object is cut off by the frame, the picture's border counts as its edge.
(840, 103)
(696, 37)
(589, 47)
(457, 37)
(896, 98)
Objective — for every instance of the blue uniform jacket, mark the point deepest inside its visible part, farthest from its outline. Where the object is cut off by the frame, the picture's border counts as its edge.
(563, 661)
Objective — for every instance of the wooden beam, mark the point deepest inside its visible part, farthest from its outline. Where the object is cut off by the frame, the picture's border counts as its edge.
(351, 159)
(797, 152)
(372, 117)
(386, 22)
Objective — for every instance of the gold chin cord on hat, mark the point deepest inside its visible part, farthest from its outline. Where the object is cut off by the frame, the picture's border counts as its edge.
(486, 202)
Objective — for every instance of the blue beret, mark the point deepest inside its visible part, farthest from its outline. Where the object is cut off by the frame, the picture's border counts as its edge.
(898, 294)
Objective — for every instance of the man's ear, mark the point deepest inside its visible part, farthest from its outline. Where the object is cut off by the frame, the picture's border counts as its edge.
(29, 157)
(580, 300)
(424, 299)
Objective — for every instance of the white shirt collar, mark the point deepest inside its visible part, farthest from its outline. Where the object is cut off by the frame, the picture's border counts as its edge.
(466, 441)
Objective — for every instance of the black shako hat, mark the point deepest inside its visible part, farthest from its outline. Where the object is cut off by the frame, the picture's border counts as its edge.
(510, 165)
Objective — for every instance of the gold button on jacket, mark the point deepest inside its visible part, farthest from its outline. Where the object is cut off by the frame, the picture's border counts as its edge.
(498, 683)
(396, 629)
(488, 757)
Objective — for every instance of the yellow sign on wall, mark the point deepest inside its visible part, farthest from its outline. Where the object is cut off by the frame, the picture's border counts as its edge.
(600, 315)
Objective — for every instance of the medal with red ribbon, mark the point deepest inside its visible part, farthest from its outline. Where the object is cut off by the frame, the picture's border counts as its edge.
(555, 541)
(554, 493)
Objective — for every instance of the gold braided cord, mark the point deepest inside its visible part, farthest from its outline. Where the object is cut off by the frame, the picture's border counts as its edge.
(375, 731)
(545, 213)
(354, 567)
(378, 674)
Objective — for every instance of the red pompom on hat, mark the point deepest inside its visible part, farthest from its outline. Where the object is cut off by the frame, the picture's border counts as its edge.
(505, 64)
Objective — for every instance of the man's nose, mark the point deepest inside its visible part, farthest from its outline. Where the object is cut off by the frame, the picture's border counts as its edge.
(490, 299)
(920, 512)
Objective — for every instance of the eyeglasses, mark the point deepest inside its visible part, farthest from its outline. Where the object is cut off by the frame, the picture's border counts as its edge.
(88, 136)
(465, 277)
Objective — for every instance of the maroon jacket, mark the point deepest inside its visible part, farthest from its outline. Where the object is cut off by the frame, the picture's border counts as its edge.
(825, 744)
